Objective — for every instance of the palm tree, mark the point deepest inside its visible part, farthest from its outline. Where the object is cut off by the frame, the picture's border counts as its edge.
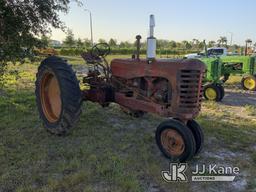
(188, 45)
(195, 43)
(222, 41)
(172, 44)
(225, 41)
(211, 43)
(201, 45)
(219, 41)
(248, 41)
(184, 43)
(247, 44)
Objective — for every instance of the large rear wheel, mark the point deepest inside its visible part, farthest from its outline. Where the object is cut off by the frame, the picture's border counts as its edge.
(58, 95)
(249, 83)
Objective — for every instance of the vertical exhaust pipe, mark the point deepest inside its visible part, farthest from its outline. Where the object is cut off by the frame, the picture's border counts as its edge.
(151, 41)
(138, 38)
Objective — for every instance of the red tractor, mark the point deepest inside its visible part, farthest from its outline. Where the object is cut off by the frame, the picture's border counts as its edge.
(170, 88)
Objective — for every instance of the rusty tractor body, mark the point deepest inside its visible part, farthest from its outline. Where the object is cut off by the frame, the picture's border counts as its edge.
(169, 88)
(166, 87)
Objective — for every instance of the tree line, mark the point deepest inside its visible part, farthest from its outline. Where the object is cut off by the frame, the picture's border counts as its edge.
(222, 41)
(73, 46)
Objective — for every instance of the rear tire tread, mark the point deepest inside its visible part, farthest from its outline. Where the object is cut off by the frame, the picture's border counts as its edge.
(70, 95)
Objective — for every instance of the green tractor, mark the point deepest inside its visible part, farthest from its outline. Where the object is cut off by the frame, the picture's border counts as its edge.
(242, 65)
(213, 89)
(213, 81)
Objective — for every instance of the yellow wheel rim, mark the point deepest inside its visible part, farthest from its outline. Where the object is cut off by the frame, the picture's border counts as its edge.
(50, 97)
(249, 83)
(210, 93)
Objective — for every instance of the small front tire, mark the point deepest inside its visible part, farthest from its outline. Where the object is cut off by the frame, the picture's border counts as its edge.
(198, 135)
(212, 92)
(222, 91)
(175, 140)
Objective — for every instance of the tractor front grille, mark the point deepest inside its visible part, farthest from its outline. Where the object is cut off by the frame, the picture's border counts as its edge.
(190, 90)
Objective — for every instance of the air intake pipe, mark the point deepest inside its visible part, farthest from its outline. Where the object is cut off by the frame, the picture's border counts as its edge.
(151, 41)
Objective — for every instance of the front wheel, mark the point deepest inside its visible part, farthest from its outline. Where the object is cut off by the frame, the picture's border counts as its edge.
(58, 95)
(175, 140)
(249, 83)
(198, 134)
(213, 92)
(222, 91)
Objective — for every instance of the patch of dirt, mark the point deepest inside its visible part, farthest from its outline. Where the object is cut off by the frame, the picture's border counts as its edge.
(235, 101)
(238, 97)
(154, 188)
(222, 156)
(225, 154)
(239, 184)
(254, 147)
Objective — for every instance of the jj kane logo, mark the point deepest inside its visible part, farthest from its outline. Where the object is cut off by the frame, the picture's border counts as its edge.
(177, 173)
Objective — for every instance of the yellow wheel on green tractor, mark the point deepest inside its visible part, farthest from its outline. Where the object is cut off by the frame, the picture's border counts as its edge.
(213, 92)
(249, 83)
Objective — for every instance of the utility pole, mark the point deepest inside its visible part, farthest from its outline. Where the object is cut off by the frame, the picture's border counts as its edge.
(90, 13)
(231, 38)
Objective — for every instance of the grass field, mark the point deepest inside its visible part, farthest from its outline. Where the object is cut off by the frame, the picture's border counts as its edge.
(110, 151)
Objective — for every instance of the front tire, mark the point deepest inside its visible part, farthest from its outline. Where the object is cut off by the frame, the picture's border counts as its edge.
(175, 140)
(198, 135)
(222, 91)
(58, 95)
(212, 92)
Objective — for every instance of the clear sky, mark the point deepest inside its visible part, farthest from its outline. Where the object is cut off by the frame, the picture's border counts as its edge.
(175, 19)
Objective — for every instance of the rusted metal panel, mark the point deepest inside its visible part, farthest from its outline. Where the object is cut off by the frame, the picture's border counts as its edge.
(184, 76)
(166, 87)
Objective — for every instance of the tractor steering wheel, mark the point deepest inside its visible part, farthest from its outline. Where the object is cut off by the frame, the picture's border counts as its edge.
(100, 49)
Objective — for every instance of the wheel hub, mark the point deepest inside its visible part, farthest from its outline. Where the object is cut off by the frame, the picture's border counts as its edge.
(50, 97)
(249, 83)
(172, 142)
(210, 93)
